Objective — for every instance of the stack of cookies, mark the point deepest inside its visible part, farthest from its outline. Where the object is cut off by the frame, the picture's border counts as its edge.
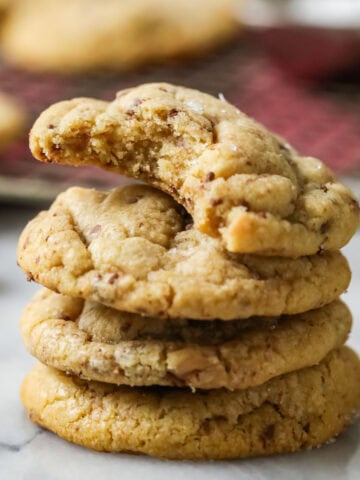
(197, 317)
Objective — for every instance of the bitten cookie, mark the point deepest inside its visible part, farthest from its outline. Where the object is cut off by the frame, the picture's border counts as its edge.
(134, 250)
(238, 181)
(299, 410)
(98, 343)
(77, 35)
(12, 119)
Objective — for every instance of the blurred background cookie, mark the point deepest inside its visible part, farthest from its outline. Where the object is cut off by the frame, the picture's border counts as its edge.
(12, 119)
(77, 35)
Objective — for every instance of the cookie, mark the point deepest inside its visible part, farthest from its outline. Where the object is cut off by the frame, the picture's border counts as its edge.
(238, 181)
(77, 36)
(98, 343)
(299, 410)
(134, 250)
(12, 119)
(4, 6)
(4, 9)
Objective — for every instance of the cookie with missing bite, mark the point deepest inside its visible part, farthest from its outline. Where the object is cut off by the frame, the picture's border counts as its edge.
(241, 184)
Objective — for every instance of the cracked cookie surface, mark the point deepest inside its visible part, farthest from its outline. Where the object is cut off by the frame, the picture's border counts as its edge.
(238, 181)
(77, 35)
(298, 410)
(99, 343)
(134, 250)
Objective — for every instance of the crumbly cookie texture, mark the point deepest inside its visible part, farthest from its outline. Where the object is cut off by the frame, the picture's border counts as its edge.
(299, 410)
(132, 249)
(77, 36)
(238, 181)
(98, 343)
(12, 119)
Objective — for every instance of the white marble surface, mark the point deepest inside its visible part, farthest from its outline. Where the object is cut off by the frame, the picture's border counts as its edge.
(28, 453)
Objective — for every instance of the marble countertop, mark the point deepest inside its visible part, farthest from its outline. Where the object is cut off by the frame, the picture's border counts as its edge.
(28, 453)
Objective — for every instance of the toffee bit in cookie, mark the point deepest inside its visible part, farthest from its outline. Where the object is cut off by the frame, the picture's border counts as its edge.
(321, 250)
(137, 102)
(112, 279)
(214, 202)
(324, 228)
(254, 274)
(173, 112)
(96, 229)
(25, 243)
(209, 177)
(268, 433)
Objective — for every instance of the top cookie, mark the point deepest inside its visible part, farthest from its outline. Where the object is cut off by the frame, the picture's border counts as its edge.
(133, 249)
(78, 35)
(237, 180)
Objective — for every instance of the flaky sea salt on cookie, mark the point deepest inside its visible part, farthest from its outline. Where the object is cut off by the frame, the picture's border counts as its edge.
(302, 409)
(238, 181)
(134, 250)
(95, 342)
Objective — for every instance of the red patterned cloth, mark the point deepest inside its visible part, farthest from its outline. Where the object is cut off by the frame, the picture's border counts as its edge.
(314, 124)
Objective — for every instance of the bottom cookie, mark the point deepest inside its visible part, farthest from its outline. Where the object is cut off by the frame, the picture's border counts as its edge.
(298, 410)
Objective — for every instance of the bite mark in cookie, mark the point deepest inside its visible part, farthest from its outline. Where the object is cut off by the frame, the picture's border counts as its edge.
(238, 181)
